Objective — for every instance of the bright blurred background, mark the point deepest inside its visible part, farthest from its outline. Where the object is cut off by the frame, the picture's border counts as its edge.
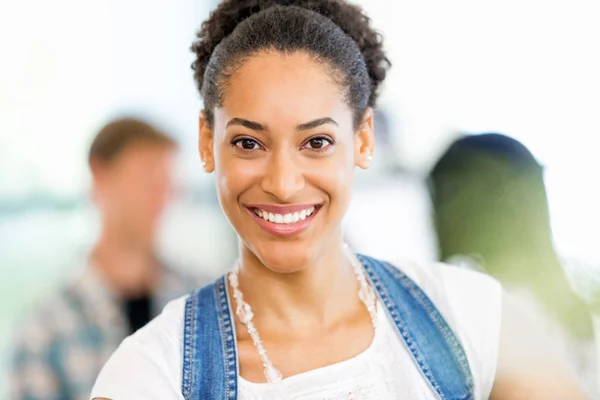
(526, 69)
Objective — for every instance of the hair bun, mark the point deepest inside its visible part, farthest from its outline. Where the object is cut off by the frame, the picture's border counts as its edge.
(350, 18)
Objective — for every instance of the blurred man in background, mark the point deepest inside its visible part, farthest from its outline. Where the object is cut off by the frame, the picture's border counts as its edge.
(491, 214)
(64, 343)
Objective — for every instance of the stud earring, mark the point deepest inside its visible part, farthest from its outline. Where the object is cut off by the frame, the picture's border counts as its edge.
(369, 156)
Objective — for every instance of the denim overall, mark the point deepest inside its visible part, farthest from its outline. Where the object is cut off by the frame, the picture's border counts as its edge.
(210, 364)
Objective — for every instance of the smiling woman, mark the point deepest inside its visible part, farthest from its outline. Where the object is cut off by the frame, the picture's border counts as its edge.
(289, 88)
(294, 150)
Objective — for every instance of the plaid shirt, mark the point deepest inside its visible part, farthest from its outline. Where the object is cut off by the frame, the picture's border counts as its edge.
(63, 345)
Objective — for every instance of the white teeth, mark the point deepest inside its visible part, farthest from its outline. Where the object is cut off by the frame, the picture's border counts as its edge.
(290, 218)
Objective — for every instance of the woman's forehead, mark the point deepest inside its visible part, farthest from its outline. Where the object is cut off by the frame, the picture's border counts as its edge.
(292, 87)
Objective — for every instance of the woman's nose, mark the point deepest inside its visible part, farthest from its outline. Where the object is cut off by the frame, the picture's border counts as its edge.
(284, 178)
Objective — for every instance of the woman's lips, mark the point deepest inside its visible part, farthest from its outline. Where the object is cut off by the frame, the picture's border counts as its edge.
(284, 220)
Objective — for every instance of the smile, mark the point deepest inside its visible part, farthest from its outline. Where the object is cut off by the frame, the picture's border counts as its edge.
(289, 218)
(284, 221)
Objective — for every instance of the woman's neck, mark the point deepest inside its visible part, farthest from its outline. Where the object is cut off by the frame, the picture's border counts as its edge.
(317, 295)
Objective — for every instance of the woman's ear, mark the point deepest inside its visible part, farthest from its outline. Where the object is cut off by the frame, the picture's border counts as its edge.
(205, 143)
(364, 142)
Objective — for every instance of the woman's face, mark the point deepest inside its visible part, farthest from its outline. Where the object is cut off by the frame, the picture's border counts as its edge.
(283, 148)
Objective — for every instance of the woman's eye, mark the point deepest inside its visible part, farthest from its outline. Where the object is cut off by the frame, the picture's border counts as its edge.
(247, 144)
(318, 143)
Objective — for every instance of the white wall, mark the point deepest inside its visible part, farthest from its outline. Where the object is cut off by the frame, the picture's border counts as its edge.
(528, 69)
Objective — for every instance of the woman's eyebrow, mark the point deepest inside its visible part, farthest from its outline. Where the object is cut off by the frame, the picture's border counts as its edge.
(255, 126)
(315, 123)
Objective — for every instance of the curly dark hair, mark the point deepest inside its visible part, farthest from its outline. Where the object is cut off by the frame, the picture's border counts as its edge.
(335, 32)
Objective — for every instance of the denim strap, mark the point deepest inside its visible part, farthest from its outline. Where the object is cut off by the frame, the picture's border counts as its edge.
(210, 367)
(428, 337)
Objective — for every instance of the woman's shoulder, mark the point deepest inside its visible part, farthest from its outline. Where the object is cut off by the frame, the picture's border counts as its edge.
(471, 303)
(147, 364)
(466, 298)
(166, 327)
(442, 282)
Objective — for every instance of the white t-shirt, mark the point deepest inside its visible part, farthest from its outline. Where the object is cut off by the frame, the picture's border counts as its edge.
(147, 365)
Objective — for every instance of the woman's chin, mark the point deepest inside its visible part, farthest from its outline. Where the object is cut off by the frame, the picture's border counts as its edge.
(286, 265)
(285, 259)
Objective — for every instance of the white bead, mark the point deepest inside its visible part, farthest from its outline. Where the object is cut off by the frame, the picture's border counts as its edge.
(244, 313)
(272, 374)
(366, 296)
